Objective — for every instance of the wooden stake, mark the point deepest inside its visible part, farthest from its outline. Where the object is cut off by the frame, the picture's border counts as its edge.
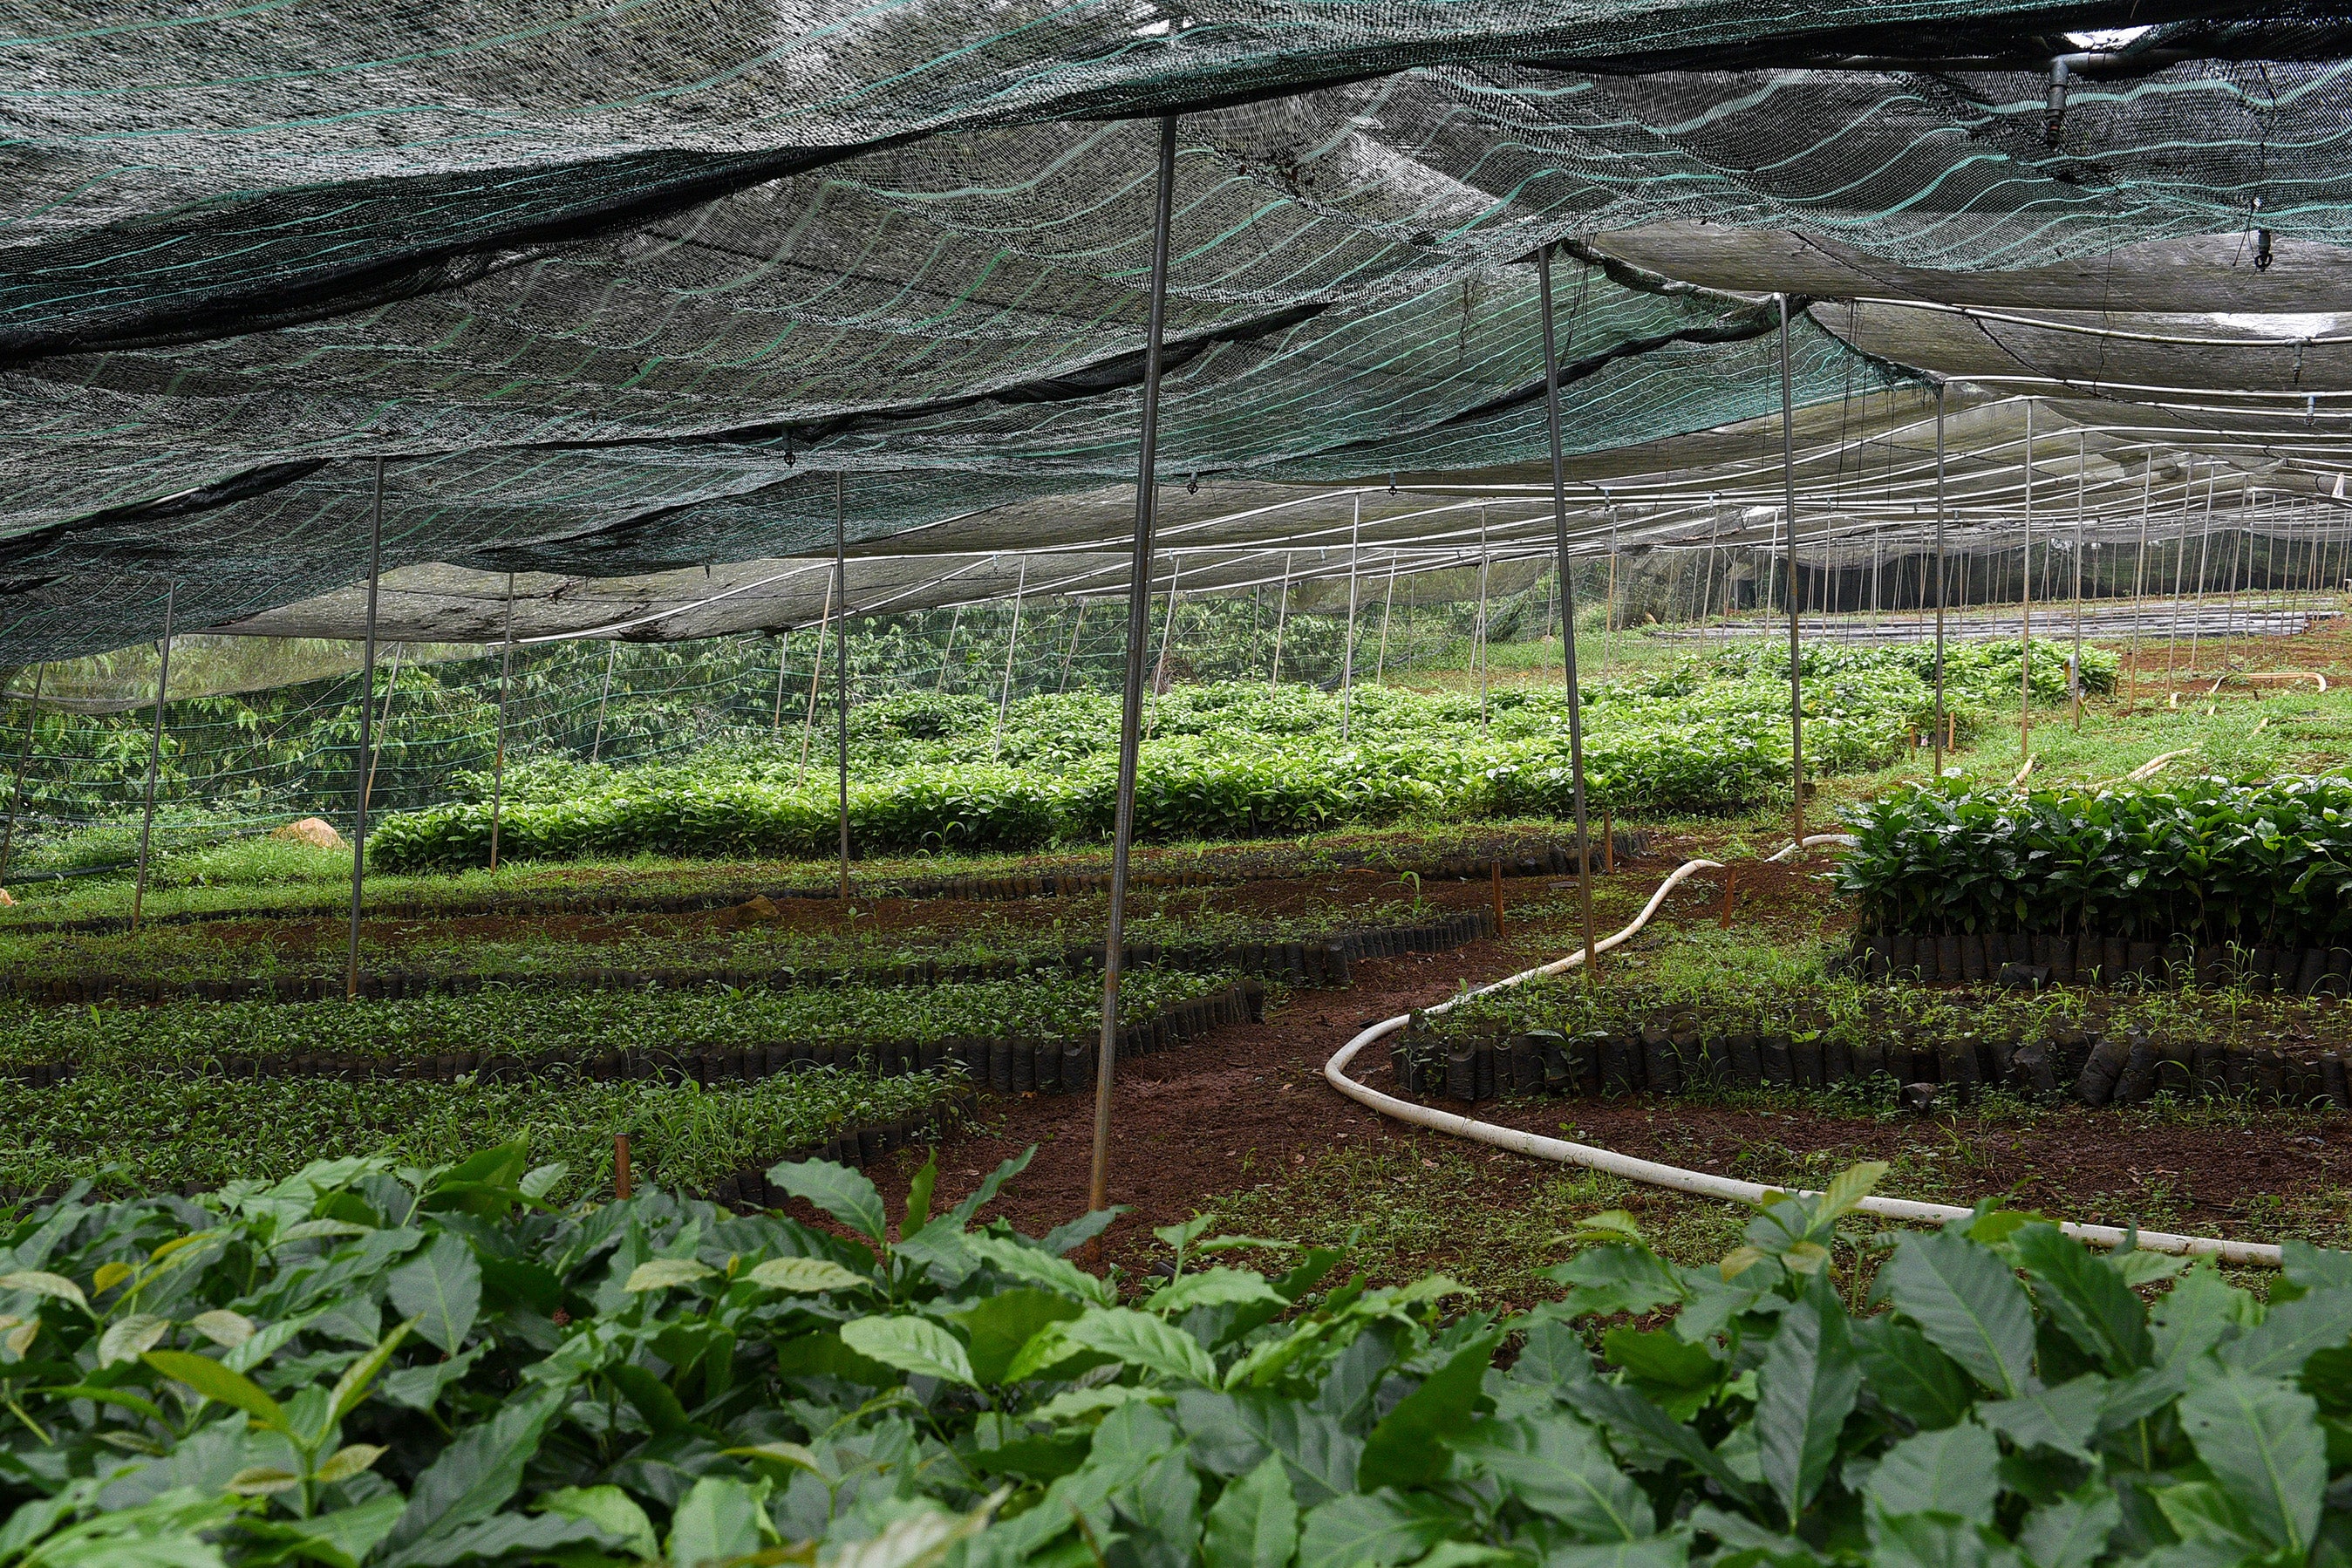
(1497, 870)
(621, 1165)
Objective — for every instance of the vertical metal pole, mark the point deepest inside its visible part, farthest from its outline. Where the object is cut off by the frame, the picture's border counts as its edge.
(1567, 613)
(1938, 738)
(24, 755)
(2140, 579)
(2075, 665)
(2179, 566)
(2025, 630)
(1706, 584)
(1480, 646)
(955, 620)
(1281, 613)
(1795, 651)
(1071, 652)
(498, 756)
(1004, 692)
(1348, 654)
(2204, 559)
(1139, 631)
(367, 738)
(155, 744)
(603, 693)
(383, 719)
(1878, 566)
(1388, 607)
(1166, 634)
(1609, 603)
(841, 674)
(816, 676)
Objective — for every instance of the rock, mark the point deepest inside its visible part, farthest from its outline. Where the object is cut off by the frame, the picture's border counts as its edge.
(315, 831)
(5, 901)
(758, 909)
(1921, 1097)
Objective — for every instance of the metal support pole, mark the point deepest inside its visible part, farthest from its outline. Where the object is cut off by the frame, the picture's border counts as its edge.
(784, 666)
(1388, 607)
(383, 719)
(955, 620)
(1070, 652)
(841, 674)
(1139, 631)
(1281, 613)
(1796, 650)
(1707, 583)
(603, 693)
(816, 676)
(2139, 582)
(367, 740)
(2075, 665)
(2204, 559)
(1609, 604)
(498, 756)
(1167, 636)
(1936, 738)
(1347, 652)
(155, 744)
(2025, 630)
(1566, 611)
(1479, 647)
(24, 755)
(1005, 691)
(2179, 566)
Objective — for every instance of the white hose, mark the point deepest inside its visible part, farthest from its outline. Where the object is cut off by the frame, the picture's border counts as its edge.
(1700, 1184)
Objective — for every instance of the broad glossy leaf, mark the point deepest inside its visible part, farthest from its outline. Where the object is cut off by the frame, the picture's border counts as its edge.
(611, 1510)
(1212, 1288)
(843, 1193)
(1142, 1341)
(441, 1288)
(2262, 1439)
(1039, 1267)
(1910, 1376)
(1360, 1531)
(40, 1282)
(213, 1381)
(2063, 1419)
(999, 1326)
(1966, 1300)
(2073, 1531)
(2290, 1334)
(1409, 1447)
(1254, 1524)
(1952, 1470)
(1558, 1467)
(2087, 1296)
(473, 1477)
(801, 1276)
(1804, 1390)
(128, 1339)
(915, 1345)
(720, 1520)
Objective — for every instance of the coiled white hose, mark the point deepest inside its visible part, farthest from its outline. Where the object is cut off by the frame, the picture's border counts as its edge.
(1701, 1183)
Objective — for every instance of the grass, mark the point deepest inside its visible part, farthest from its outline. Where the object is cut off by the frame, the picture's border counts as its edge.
(135, 1132)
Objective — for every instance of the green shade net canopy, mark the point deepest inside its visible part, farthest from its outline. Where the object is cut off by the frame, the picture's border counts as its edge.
(614, 293)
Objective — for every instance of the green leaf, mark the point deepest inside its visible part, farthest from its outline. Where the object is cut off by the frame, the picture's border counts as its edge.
(1141, 1340)
(915, 1345)
(441, 1288)
(1966, 1300)
(918, 1197)
(991, 1185)
(1255, 1524)
(2292, 1334)
(1954, 1470)
(1039, 1267)
(340, 1538)
(353, 1387)
(2063, 1419)
(1611, 1278)
(506, 1537)
(720, 1520)
(1212, 1288)
(128, 1339)
(42, 1283)
(800, 1275)
(1555, 1465)
(1359, 1531)
(213, 1381)
(226, 1328)
(474, 1476)
(1930, 1540)
(1408, 1448)
(2191, 1316)
(843, 1193)
(662, 1273)
(2086, 1296)
(2073, 1531)
(611, 1510)
(1804, 1390)
(1665, 1365)
(1908, 1375)
(2262, 1439)
(1000, 1325)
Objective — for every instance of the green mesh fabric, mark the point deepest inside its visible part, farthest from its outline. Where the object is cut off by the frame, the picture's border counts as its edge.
(617, 291)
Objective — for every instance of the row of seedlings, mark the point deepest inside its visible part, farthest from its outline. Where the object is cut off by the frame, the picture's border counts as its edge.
(2021, 958)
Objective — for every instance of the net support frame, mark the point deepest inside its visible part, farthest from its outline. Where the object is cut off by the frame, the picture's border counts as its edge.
(24, 756)
(498, 754)
(1567, 609)
(1348, 651)
(367, 738)
(2025, 602)
(156, 751)
(1935, 739)
(841, 671)
(1005, 691)
(2074, 664)
(1796, 636)
(1139, 632)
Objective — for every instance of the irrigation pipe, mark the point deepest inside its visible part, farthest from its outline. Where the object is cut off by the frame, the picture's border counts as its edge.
(1701, 1183)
